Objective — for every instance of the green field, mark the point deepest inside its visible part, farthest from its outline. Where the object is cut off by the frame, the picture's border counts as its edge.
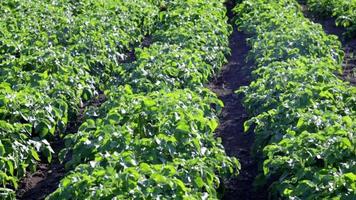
(154, 133)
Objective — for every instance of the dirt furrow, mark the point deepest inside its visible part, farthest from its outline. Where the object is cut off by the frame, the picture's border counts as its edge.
(234, 74)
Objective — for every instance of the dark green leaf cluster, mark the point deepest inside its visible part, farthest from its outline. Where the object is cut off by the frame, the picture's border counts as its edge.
(154, 137)
(148, 146)
(54, 55)
(186, 49)
(304, 116)
(343, 10)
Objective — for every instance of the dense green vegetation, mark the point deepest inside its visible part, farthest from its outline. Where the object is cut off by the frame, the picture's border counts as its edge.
(53, 56)
(303, 115)
(156, 145)
(57, 54)
(343, 10)
(153, 138)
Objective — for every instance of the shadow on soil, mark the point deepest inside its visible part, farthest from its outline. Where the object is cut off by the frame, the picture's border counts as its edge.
(237, 143)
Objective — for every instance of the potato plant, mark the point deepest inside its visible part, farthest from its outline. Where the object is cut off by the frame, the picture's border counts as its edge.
(54, 55)
(154, 137)
(162, 142)
(343, 10)
(304, 116)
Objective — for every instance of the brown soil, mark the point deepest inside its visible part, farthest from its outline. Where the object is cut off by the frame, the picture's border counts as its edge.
(349, 44)
(237, 143)
(38, 185)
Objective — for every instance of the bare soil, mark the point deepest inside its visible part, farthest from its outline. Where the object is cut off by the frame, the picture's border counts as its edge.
(237, 73)
(38, 185)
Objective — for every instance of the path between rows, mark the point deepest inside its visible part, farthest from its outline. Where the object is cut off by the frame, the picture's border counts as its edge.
(236, 73)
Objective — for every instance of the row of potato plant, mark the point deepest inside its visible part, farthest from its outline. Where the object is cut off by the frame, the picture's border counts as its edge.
(303, 115)
(343, 10)
(154, 137)
(54, 55)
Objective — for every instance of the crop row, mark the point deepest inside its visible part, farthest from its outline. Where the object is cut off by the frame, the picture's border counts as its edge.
(154, 137)
(53, 56)
(303, 115)
(343, 10)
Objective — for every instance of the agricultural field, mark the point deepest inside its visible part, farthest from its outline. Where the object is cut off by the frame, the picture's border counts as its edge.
(177, 99)
(343, 10)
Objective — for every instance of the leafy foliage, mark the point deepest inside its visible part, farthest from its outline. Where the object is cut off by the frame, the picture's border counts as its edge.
(186, 48)
(54, 55)
(151, 146)
(343, 10)
(304, 116)
(153, 138)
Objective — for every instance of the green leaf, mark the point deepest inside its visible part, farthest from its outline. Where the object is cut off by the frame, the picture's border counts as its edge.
(300, 123)
(65, 182)
(149, 102)
(347, 120)
(247, 125)
(10, 167)
(35, 154)
(145, 168)
(158, 178)
(42, 128)
(2, 149)
(199, 181)
(183, 126)
(181, 185)
(346, 142)
(351, 176)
